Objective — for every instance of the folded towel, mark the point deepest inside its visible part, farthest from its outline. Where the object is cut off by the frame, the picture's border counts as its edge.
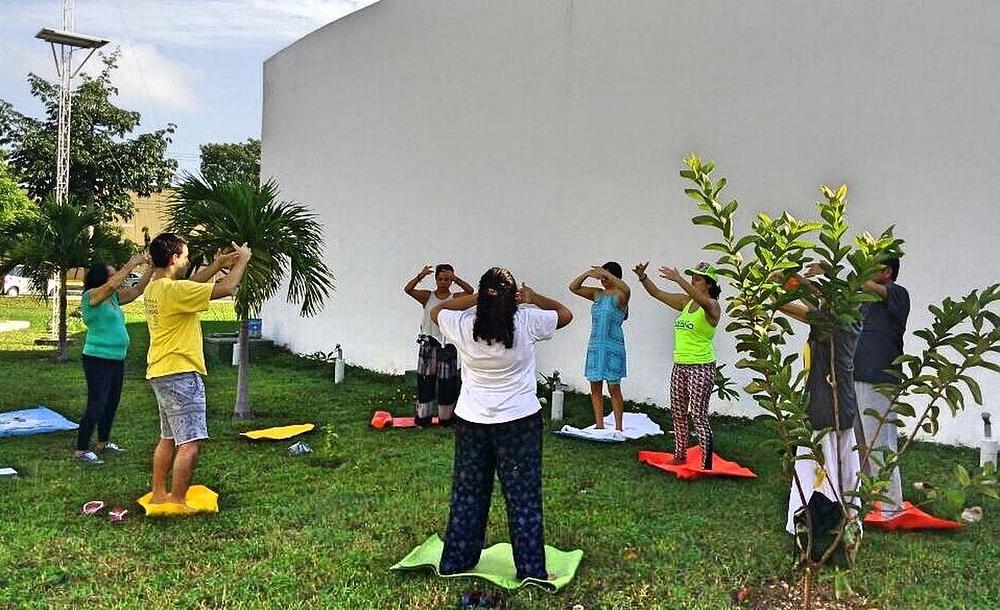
(634, 426)
(496, 564)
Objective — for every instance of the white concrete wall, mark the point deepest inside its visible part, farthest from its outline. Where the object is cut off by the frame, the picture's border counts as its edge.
(547, 136)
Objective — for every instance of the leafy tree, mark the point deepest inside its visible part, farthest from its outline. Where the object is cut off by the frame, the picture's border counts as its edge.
(763, 267)
(231, 162)
(286, 240)
(106, 160)
(14, 203)
(61, 237)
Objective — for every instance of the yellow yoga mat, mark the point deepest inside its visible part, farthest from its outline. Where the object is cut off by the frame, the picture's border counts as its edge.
(278, 434)
(199, 499)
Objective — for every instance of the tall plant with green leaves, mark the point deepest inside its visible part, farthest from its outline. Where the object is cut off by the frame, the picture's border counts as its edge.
(286, 240)
(57, 238)
(762, 267)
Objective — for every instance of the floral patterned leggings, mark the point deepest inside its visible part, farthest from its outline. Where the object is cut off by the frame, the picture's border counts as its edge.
(514, 451)
(691, 385)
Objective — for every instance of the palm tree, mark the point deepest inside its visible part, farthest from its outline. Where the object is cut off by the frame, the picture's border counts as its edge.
(57, 238)
(285, 238)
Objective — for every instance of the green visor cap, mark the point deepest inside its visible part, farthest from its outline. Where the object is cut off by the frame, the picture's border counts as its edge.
(705, 269)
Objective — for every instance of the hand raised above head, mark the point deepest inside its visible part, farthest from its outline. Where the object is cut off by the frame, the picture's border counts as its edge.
(243, 251)
(226, 260)
(525, 295)
(640, 268)
(425, 271)
(670, 273)
(813, 270)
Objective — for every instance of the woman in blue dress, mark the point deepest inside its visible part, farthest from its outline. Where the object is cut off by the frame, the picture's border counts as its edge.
(606, 350)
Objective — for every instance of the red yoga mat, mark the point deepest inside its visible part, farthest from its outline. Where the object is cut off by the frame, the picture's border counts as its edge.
(383, 419)
(910, 518)
(691, 469)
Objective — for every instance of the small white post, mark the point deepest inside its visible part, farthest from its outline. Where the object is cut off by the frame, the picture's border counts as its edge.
(338, 365)
(236, 353)
(557, 397)
(989, 446)
(557, 404)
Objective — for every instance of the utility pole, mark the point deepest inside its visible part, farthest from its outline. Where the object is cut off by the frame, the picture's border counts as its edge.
(68, 42)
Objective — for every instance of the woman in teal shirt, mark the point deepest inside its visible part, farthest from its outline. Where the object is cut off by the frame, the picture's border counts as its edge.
(104, 351)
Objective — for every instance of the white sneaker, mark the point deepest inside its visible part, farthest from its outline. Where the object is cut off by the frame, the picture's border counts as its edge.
(89, 458)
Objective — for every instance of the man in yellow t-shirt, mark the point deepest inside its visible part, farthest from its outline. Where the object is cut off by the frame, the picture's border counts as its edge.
(176, 360)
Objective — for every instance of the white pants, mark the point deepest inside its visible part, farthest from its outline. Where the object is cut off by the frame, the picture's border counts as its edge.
(836, 481)
(868, 398)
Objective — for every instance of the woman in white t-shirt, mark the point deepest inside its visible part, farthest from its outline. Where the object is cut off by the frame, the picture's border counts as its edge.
(498, 424)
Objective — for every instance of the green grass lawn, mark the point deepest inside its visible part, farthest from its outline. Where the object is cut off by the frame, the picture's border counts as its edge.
(294, 532)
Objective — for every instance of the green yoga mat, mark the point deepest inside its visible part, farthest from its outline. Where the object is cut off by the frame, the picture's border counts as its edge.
(496, 564)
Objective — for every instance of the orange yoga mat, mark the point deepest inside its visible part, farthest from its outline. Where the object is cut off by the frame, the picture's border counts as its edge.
(910, 518)
(383, 419)
(691, 469)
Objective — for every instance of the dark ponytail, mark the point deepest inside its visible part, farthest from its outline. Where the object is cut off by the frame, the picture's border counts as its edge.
(496, 307)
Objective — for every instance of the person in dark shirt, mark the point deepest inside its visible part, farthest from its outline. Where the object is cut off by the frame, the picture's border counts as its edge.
(835, 426)
(880, 343)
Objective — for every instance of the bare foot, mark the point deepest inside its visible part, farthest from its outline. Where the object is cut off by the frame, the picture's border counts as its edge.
(678, 461)
(160, 498)
(599, 426)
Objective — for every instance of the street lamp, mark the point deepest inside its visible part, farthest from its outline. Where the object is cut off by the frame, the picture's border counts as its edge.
(68, 41)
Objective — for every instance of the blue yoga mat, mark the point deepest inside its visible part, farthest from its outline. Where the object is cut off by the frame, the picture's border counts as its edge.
(33, 421)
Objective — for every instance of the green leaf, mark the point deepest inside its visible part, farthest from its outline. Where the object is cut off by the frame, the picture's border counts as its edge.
(977, 393)
(963, 475)
(696, 195)
(707, 220)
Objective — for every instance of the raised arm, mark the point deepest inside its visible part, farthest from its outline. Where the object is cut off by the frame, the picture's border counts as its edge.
(465, 286)
(458, 303)
(99, 294)
(877, 289)
(671, 299)
(221, 261)
(410, 288)
(227, 285)
(711, 306)
(797, 311)
(624, 292)
(587, 292)
(528, 296)
(131, 293)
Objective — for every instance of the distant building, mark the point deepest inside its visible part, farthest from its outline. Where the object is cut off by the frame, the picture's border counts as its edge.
(547, 137)
(149, 217)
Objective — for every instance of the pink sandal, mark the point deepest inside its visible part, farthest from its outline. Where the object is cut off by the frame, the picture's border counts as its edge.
(93, 507)
(117, 514)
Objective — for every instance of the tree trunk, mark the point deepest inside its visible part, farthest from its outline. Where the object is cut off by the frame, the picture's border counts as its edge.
(807, 582)
(62, 351)
(241, 410)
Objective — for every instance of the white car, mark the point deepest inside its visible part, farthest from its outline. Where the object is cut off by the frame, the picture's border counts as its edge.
(14, 283)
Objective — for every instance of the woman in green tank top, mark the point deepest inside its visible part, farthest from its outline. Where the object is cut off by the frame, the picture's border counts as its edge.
(693, 375)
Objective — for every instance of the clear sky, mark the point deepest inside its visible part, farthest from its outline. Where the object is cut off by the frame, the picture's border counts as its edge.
(196, 63)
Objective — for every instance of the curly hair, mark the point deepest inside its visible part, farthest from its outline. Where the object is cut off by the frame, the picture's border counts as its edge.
(97, 275)
(496, 307)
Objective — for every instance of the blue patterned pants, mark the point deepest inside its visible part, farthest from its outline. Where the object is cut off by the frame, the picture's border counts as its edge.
(514, 451)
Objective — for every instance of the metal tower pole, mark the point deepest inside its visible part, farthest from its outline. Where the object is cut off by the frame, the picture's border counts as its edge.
(65, 107)
(65, 68)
